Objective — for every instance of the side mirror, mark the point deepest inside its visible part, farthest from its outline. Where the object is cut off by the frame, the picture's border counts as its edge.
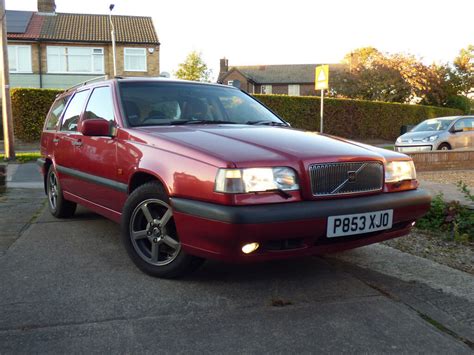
(454, 130)
(96, 127)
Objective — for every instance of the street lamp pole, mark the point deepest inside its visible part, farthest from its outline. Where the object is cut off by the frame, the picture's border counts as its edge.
(112, 33)
(9, 140)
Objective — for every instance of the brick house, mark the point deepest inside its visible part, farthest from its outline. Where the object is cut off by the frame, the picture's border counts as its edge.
(58, 50)
(288, 79)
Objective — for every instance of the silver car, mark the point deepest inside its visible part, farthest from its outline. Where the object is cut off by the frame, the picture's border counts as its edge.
(443, 133)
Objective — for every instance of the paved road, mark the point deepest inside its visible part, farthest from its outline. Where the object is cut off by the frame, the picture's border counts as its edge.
(69, 286)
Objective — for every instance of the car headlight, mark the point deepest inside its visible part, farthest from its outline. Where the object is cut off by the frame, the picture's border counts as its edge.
(396, 171)
(430, 138)
(399, 140)
(256, 180)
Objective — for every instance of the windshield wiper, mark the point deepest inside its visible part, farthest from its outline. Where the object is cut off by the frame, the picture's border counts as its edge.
(267, 123)
(201, 122)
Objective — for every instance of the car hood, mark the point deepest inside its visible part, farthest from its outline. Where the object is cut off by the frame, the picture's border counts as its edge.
(418, 136)
(241, 144)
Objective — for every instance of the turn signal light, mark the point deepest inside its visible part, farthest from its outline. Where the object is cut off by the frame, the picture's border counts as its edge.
(250, 248)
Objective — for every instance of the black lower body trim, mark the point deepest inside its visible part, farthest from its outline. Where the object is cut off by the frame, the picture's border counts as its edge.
(93, 178)
(294, 211)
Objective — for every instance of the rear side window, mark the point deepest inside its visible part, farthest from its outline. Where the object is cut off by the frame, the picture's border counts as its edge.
(100, 105)
(52, 121)
(73, 111)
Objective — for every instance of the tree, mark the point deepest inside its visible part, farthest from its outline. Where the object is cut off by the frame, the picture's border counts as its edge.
(371, 76)
(193, 68)
(464, 66)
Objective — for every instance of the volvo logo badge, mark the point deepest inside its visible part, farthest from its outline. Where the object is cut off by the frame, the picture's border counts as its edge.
(351, 176)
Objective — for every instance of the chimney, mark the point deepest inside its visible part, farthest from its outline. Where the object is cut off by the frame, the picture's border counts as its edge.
(224, 66)
(46, 6)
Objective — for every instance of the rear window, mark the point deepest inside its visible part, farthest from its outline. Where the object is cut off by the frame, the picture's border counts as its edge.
(52, 121)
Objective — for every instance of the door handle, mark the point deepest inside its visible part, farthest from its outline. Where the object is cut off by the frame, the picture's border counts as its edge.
(56, 140)
(77, 143)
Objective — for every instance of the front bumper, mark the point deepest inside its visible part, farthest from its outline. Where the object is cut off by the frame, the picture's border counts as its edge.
(414, 148)
(287, 229)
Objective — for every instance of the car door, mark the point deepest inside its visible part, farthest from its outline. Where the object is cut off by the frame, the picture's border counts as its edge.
(98, 163)
(470, 131)
(461, 137)
(65, 141)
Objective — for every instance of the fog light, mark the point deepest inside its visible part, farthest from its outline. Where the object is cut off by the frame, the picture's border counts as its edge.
(250, 248)
(413, 224)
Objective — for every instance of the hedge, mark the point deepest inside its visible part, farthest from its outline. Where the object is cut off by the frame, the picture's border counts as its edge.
(29, 108)
(346, 118)
(357, 119)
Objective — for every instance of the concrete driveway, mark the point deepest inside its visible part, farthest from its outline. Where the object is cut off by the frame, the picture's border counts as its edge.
(68, 286)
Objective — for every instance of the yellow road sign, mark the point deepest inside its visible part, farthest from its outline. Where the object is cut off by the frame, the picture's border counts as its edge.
(321, 79)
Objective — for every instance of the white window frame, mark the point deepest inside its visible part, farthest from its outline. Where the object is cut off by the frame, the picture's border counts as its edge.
(134, 55)
(65, 53)
(266, 89)
(294, 90)
(15, 47)
(230, 83)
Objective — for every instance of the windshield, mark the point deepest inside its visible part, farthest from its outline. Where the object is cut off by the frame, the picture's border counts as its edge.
(434, 124)
(165, 103)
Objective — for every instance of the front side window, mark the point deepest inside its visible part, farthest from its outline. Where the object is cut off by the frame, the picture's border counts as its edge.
(465, 125)
(100, 105)
(134, 59)
(75, 60)
(73, 111)
(19, 59)
(155, 103)
(52, 122)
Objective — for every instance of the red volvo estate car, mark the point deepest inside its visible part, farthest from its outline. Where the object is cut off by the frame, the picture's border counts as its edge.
(195, 171)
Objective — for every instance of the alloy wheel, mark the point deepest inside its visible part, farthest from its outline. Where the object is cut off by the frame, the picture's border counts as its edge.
(153, 232)
(53, 191)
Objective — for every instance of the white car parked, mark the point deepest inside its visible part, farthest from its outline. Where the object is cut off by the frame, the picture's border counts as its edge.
(443, 133)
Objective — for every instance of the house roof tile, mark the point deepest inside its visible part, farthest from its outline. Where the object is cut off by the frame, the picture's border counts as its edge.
(32, 31)
(88, 28)
(282, 74)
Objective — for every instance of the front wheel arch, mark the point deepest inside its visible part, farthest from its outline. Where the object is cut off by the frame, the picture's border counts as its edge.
(140, 178)
(445, 144)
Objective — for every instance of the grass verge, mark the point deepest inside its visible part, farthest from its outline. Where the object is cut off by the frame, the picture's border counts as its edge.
(23, 157)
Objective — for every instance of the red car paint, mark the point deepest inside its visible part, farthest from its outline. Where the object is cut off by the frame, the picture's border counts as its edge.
(185, 159)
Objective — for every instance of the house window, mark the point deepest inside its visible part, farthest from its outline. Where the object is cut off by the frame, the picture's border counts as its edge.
(75, 60)
(266, 89)
(135, 59)
(230, 83)
(19, 59)
(294, 90)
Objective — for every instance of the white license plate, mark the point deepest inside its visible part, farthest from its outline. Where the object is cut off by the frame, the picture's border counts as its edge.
(360, 223)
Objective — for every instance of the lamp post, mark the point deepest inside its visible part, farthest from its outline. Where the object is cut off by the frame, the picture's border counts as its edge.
(112, 33)
(6, 110)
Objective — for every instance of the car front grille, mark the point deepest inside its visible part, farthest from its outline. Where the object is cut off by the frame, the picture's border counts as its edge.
(330, 179)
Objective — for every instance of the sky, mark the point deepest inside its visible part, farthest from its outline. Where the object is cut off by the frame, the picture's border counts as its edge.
(257, 32)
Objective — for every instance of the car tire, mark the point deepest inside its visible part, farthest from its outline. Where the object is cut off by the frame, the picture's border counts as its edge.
(444, 146)
(149, 234)
(58, 205)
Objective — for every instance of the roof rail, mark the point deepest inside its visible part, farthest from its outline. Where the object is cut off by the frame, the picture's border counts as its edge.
(97, 78)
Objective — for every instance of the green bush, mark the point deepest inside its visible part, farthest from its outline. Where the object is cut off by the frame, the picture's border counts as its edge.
(460, 102)
(450, 218)
(30, 107)
(356, 119)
